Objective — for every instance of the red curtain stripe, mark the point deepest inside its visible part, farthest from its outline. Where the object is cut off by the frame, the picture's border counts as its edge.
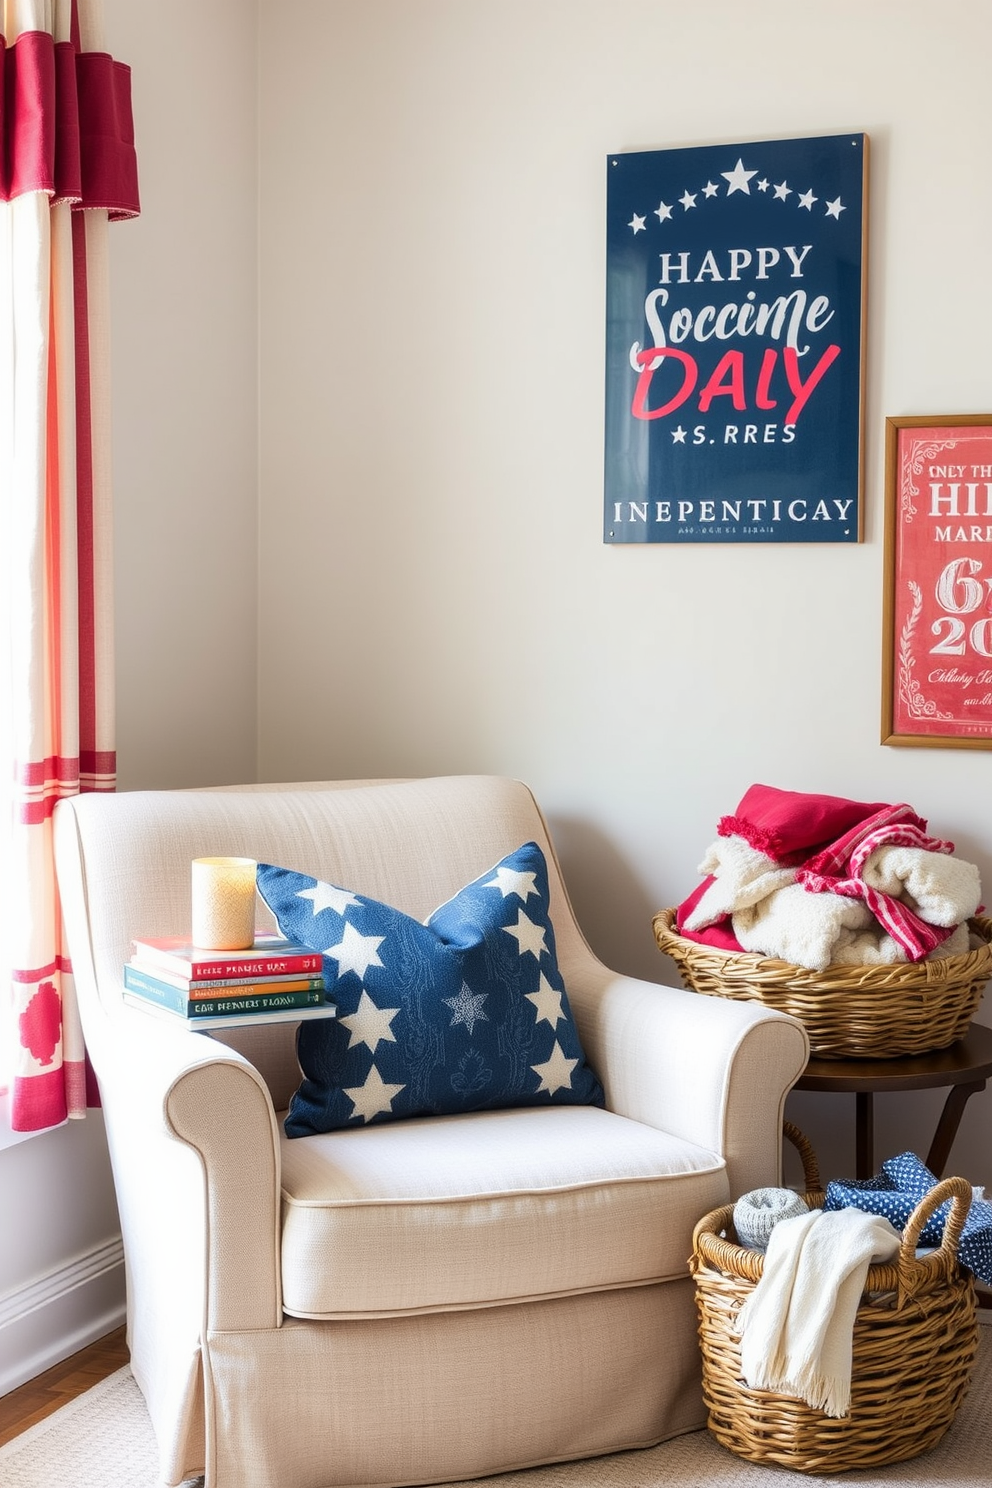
(65, 125)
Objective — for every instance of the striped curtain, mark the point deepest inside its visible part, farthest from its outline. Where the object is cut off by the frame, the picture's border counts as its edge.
(67, 168)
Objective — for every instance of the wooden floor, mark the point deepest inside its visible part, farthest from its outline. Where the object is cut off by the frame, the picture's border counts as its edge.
(40, 1397)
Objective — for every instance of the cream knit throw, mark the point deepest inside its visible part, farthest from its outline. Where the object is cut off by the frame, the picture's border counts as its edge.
(797, 1325)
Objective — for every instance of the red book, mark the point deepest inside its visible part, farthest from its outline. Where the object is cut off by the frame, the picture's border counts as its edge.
(271, 955)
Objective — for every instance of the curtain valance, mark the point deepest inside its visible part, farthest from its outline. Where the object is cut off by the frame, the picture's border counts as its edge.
(66, 126)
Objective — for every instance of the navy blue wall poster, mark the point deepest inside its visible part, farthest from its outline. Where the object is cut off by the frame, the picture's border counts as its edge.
(735, 308)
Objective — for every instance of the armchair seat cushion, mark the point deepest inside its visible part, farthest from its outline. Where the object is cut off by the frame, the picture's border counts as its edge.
(442, 1213)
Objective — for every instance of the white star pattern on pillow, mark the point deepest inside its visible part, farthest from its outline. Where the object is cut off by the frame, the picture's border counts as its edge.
(374, 1097)
(555, 1073)
(370, 1024)
(510, 882)
(547, 1003)
(529, 937)
(355, 952)
(326, 896)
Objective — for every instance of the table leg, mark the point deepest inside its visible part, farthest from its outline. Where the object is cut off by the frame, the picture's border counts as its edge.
(943, 1138)
(864, 1134)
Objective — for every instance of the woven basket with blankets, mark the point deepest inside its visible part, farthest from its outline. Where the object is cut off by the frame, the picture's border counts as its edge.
(838, 1327)
(847, 914)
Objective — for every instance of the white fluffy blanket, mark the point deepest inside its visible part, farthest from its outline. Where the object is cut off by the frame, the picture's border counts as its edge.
(799, 927)
(797, 1326)
(742, 876)
(873, 947)
(943, 890)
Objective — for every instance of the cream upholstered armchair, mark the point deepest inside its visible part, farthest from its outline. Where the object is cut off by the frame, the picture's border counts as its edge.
(417, 1300)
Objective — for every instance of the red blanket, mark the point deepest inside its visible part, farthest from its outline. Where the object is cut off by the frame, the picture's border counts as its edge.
(828, 840)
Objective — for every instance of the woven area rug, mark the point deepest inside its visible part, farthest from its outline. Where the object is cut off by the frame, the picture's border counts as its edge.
(104, 1440)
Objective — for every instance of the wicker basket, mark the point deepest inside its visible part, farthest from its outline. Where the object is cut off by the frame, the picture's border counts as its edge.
(850, 1012)
(914, 1345)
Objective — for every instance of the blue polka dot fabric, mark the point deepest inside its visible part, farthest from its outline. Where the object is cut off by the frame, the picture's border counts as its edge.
(895, 1193)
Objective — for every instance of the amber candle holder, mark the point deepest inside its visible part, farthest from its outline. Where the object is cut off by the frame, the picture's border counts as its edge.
(224, 903)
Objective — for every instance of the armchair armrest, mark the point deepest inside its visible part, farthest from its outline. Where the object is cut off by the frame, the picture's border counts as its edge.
(713, 1072)
(179, 1086)
(222, 1110)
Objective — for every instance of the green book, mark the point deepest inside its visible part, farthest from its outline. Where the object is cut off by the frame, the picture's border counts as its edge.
(238, 1002)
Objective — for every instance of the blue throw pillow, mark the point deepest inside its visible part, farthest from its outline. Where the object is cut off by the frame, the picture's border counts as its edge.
(467, 1012)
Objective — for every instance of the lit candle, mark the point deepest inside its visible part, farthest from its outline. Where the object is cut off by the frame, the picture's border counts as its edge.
(224, 903)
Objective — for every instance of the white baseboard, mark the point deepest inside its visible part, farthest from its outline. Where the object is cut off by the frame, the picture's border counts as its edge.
(49, 1319)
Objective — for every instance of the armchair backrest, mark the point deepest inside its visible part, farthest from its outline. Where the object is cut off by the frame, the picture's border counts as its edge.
(124, 869)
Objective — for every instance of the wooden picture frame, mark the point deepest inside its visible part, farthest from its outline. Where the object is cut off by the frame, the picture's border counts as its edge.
(937, 624)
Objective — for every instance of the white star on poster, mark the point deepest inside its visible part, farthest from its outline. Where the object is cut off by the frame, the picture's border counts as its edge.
(555, 1073)
(467, 1007)
(662, 211)
(355, 952)
(369, 1024)
(687, 199)
(738, 179)
(710, 189)
(547, 1002)
(509, 881)
(782, 191)
(374, 1097)
(678, 435)
(326, 896)
(807, 199)
(835, 208)
(529, 937)
(637, 223)
(764, 184)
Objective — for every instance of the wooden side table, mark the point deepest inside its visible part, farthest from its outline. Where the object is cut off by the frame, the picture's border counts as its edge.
(965, 1067)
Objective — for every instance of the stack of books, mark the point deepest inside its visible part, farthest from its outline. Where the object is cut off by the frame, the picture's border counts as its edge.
(275, 981)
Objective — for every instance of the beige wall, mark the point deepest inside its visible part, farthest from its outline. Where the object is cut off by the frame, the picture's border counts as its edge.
(184, 287)
(434, 593)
